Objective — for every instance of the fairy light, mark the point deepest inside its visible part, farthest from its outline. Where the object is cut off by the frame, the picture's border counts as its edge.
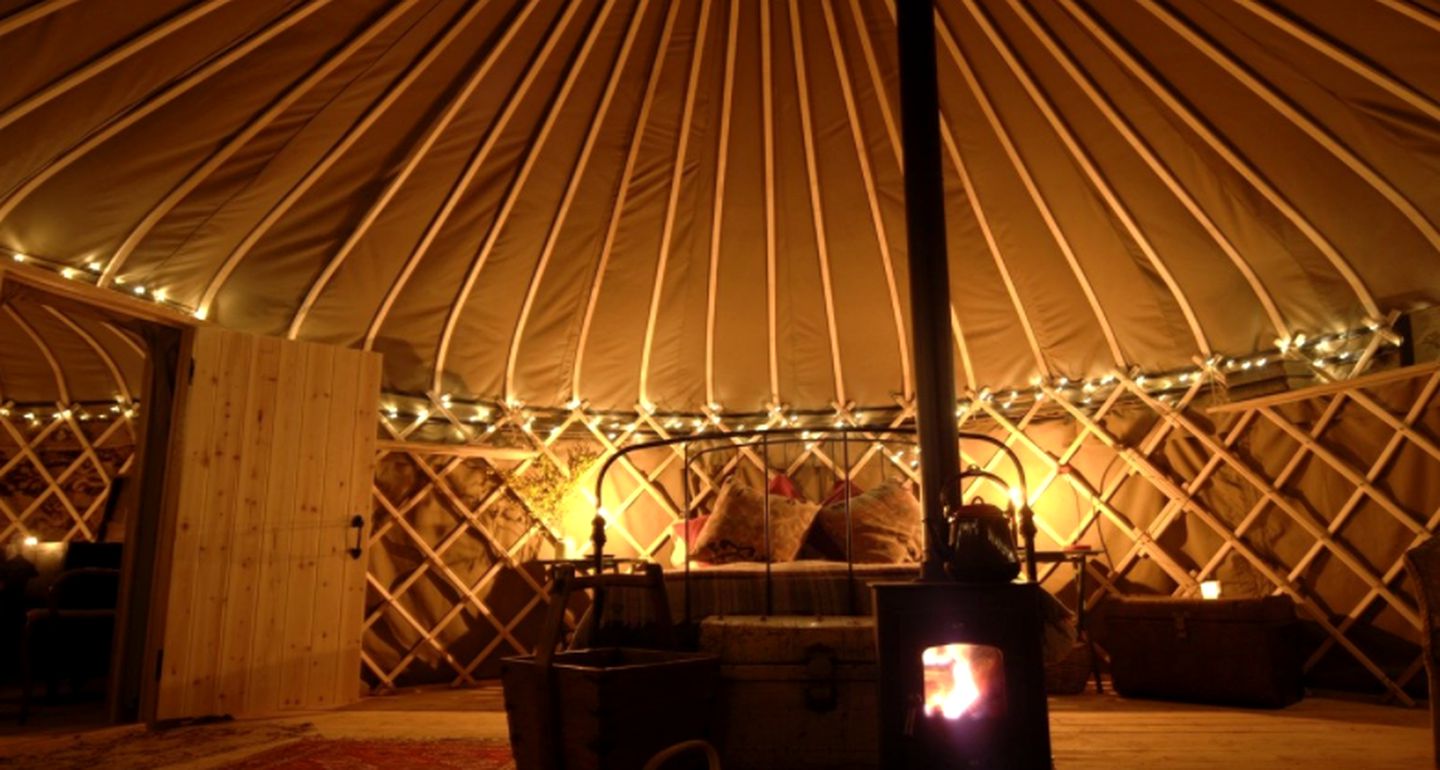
(159, 295)
(139, 290)
(68, 273)
(200, 313)
(18, 257)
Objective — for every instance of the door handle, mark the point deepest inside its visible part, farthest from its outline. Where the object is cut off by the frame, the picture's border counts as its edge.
(358, 522)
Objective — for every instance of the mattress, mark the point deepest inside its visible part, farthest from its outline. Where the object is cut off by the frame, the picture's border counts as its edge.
(809, 587)
(805, 587)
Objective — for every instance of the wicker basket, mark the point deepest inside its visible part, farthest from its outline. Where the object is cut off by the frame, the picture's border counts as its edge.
(1069, 675)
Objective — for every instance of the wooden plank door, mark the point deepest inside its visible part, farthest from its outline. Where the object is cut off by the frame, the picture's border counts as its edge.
(273, 459)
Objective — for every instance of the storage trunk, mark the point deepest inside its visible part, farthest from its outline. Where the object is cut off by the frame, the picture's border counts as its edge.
(795, 692)
(1236, 651)
(608, 708)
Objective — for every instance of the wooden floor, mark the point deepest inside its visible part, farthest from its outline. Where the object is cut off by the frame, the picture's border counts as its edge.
(1089, 732)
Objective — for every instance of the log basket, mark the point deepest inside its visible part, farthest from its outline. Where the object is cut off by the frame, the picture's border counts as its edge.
(605, 708)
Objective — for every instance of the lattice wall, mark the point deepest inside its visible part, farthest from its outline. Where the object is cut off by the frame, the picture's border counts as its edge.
(57, 466)
(1314, 495)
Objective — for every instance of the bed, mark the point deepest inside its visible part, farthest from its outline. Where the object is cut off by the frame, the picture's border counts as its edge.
(843, 474)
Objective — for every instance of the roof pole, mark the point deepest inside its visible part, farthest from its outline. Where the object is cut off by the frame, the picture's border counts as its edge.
(929, 269)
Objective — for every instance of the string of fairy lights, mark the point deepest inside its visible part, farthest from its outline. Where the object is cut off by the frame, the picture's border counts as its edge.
(1304, 356)
(1323, 354)
(91, 274)
(36, 416)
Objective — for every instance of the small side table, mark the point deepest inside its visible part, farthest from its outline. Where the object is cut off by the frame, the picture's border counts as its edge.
(1078, 557)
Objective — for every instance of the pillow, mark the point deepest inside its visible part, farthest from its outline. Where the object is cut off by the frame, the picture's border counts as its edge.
(837, 492)
(686, 532)
(736, 529)
(885, 526)
(784, 486)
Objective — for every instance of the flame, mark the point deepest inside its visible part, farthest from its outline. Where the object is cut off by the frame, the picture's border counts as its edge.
(954, 675)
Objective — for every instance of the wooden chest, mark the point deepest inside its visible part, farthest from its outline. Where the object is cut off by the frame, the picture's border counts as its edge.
(795, 692)
(1236, 651)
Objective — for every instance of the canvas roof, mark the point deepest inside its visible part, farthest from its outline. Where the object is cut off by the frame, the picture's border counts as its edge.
(677, 203)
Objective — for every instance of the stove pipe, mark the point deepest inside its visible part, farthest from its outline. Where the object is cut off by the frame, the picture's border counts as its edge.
(929, 270)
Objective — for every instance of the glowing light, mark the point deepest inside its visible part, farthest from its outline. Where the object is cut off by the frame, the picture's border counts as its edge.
(18, 257)
(1016, 497)
(94, 266)
(32, 541)
(159, 295)
(139, 291)
(200, 313)
(68, 272)
(1210, 589)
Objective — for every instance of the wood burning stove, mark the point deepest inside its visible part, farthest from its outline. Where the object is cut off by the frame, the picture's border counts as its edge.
(961, 676)
(962, 682)
(962, 673)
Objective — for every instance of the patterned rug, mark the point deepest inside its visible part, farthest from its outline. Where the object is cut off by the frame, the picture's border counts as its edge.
(323, 754)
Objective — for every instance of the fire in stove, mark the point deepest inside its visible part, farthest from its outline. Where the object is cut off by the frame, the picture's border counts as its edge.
(962, 676)
(964, 681)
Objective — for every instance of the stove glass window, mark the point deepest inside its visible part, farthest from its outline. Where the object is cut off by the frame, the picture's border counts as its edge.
(964, 681)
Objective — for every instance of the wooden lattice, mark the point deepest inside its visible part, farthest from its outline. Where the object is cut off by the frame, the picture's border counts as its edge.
(57, 466)
(1269, 495)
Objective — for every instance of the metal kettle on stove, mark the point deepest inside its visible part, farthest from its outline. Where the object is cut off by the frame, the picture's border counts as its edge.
(979, 544)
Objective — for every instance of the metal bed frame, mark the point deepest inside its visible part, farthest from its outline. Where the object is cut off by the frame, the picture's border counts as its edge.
(764, 440)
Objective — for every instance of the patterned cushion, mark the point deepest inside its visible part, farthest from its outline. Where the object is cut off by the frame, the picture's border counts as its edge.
(736, 529)
(686, 532)
(885, 525)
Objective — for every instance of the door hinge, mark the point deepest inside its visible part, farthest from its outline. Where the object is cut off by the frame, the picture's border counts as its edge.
(159, 663)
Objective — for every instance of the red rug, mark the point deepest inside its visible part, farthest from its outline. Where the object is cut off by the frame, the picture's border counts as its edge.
(321, 754)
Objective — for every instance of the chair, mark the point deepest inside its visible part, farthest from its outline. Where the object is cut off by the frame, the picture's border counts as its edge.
(72, 634)
(1423, 564)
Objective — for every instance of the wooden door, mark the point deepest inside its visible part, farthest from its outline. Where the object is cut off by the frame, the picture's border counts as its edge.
(273, 460)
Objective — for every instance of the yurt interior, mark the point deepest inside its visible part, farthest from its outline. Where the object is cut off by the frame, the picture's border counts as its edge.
(743, 384)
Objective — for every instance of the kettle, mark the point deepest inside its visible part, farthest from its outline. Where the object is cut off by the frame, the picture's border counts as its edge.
(979, 546)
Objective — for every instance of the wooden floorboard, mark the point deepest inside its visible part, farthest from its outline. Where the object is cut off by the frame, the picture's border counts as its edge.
(1089, 732)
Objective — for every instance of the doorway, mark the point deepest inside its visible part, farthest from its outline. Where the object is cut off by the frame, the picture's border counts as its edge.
(85, 391)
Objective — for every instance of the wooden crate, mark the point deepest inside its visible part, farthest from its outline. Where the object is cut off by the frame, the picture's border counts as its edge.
(605, 708)
(795, 692)
(1236, 651)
